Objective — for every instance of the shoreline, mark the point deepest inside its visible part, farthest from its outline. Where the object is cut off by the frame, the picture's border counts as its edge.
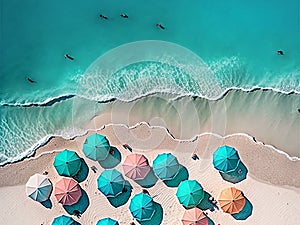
(256, 170)
(208, 119)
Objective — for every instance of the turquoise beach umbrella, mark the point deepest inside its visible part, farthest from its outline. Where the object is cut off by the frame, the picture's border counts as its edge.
(67, 163)
(64, 220)
(226, 159)
(166, 166)
(107, 221)
(190, 193)
(142, 207)
(96, 147)
(111, 183)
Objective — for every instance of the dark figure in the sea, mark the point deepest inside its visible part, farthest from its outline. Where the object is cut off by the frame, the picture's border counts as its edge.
(123, 15)
(298, 110)
(67, 56)
(280, 52)
(160, 26)
(103, 17)
(30, 80)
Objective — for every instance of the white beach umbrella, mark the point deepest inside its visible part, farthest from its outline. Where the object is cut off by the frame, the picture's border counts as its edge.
(38, 187)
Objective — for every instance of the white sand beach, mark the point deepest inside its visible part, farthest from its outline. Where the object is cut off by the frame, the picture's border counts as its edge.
(272, 185)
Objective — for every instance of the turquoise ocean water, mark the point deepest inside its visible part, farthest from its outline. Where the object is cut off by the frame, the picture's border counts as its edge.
(236, 40)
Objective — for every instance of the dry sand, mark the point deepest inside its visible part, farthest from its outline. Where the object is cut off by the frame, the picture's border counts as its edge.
(272, 185)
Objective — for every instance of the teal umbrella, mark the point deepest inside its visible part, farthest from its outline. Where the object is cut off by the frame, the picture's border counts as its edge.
(111, 183)
(226, 159)
(67, 163)
(166, 166)
(142, 207)
(107, 221)
(64, 220)
(96, 147)
(190, 193)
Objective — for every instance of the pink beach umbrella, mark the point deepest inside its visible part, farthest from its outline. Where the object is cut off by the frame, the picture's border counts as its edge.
(136, 166)
(194, 216)
(67, 191)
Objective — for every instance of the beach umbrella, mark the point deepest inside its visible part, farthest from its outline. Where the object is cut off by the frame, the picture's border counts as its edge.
(194, 216)
(111, 183)
(38, 187)
(136, 166)
(232, 200)
(96, 147)
(166, 166)
(107, 221)
(64, 220)
(67, 163)
(142, 207)
(67, 191)
(226, 159)
(190, 193)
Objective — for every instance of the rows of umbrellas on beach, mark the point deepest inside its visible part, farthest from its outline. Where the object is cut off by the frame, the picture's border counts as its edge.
(111, 182)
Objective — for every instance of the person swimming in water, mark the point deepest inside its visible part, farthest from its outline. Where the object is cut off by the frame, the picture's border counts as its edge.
(103, 17)
(30, 80)
(280, 52)
(160, 26)
(67, 56)
(123, 15)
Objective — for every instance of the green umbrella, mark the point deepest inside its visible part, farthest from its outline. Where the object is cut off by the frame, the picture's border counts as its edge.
(190, 193)
(166, 166)
(226, 159)
(107, 221)
(142, 207)
(96, 147)
(64, 220)
(111, 183)
(67, 163)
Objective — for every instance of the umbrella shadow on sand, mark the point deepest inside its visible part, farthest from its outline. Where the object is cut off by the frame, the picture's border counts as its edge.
(122, 198)
(246, 211)
(210, 222)
(183, 174)
(81, 206)
(47, 204)
(236, 176)
(206, 203)
(83, 172)
(112, 160)
(157, 217)
(149, 181)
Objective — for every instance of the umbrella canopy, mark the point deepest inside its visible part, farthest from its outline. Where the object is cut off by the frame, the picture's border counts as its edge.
(64, 220)
(67, 191)
(67, 163)
(232, 200)
(190, 193)
(96, 147)
(165, 166)
(38, 187)
(194, 216)
(111, 183)
(136, 166)
(226, 159)
(107, 221)
(142, 207)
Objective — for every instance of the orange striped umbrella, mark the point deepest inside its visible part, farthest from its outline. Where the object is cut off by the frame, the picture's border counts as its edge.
(232, 200)
(194, 216)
